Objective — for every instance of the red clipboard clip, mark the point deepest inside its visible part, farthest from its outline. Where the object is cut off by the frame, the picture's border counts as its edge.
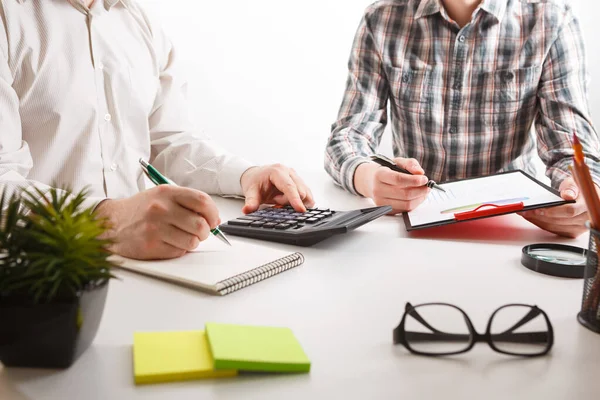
(492, 209)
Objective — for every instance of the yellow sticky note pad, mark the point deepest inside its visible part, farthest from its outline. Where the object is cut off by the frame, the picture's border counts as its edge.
(173, 356)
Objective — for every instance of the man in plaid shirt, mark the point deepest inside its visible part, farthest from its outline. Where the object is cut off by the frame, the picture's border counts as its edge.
(466, 80)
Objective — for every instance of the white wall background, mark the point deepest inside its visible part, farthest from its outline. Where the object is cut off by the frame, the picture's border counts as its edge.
(272, 72)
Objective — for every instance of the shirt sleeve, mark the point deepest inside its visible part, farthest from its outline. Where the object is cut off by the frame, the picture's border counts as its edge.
(563, 106)
(15, 158)
(363, 114)
(187, 157)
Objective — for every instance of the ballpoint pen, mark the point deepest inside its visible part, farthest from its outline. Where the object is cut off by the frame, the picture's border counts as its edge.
(386, 162)
(159, 179)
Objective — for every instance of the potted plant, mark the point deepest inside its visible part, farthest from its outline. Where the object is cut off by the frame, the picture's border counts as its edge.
(54, 274)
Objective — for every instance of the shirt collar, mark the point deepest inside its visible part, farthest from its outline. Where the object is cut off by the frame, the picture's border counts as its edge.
(428, 7)
(497, 8)
(107, 3)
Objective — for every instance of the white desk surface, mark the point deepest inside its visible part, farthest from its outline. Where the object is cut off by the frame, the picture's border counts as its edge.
(343, 304)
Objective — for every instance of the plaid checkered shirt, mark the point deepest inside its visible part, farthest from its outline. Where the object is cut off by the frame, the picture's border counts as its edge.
(466, 102)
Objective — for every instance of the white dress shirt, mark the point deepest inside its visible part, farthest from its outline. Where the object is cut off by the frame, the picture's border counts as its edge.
(85, 93)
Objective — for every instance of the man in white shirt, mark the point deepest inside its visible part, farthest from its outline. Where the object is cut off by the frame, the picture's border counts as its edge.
(87, 88)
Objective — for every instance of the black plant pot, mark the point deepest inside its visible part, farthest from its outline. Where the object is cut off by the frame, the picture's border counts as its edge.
(51, 335)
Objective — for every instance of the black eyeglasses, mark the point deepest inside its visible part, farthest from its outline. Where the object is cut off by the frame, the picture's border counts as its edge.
(438, 329)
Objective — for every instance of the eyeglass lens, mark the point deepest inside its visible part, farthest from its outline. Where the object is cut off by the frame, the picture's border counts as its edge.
(437, 329)
(520, 330)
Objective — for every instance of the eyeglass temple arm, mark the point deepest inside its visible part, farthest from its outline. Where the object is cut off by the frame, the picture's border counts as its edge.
(525, 337)
(413, 313)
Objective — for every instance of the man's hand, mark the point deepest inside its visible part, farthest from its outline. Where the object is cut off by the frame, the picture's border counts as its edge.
(163, 222)
(274, 184)
(568, 220)
(386, 187)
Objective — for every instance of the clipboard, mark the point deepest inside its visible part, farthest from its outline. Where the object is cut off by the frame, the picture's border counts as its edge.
(482, 197)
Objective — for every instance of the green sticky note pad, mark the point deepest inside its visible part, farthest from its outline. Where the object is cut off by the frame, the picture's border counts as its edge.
(173, 356)
(255, 348)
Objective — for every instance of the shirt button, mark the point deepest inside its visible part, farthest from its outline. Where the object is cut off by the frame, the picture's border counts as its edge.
(405, 79)
(458, 86)
(107, 117)
(100, 66)
(509, 76)
(453, 130)
(462, 39)
(114, 167)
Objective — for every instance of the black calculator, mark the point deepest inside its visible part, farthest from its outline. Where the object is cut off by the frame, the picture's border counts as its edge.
(284, 225)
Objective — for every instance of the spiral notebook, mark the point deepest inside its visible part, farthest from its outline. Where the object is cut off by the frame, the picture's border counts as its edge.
(218, 269)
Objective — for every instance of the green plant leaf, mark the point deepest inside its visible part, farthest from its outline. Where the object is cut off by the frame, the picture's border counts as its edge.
(50, 246)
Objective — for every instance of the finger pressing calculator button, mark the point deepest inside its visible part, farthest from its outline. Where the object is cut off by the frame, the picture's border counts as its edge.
(239, 222)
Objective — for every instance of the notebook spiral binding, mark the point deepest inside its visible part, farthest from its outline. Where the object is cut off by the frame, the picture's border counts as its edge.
(260, 273)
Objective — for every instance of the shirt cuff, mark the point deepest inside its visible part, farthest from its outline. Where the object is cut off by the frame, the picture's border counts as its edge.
(92, 202)
(230, 175)
(560, 173)
(348, 170)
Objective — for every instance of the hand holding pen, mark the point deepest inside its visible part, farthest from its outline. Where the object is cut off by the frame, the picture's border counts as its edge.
(159, 223)
(158, 179)
(386, 162)
(400, 183)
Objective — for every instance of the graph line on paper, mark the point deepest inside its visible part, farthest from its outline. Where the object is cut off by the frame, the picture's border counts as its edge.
(439, 197)
(473, 206)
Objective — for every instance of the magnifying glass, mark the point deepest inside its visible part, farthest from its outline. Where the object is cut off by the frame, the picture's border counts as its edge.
(555, 259)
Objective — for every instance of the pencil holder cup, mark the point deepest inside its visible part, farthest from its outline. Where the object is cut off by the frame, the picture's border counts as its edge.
(589, 316)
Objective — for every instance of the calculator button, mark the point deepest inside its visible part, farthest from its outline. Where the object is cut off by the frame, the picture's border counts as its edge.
(257, 224)
(301, 218)
(327, 213)
(269, 225)
(250, 218)
(312, 220)
(322, 209)
(239, 222)
(320, 216)
(282, 226)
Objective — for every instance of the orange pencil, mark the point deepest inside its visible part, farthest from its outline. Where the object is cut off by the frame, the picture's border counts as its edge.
(585, 182)
(588, 189)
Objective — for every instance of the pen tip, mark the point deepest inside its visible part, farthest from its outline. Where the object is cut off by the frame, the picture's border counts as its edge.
(576, 139)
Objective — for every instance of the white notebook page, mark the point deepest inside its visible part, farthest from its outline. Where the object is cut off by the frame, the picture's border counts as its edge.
(461, 196)
(212, 262)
